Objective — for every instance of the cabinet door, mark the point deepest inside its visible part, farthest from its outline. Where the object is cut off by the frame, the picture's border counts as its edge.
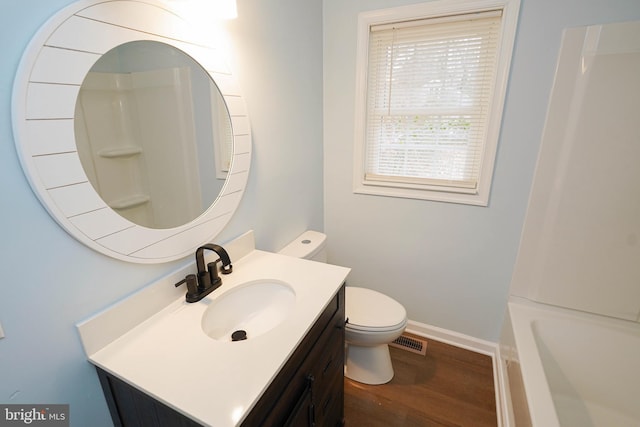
(303, 413)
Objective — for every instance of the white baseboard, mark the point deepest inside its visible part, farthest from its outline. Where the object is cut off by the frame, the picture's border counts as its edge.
(470, 343)
(454, 338)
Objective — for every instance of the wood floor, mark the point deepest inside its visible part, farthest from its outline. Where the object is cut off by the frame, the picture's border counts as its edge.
(447, 387)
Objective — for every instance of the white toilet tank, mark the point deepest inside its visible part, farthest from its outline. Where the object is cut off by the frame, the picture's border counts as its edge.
(309, 245)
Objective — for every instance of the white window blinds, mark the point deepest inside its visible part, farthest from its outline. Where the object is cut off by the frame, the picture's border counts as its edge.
(429, 92)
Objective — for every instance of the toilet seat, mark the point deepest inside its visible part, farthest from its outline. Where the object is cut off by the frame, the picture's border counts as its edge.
(371, 311)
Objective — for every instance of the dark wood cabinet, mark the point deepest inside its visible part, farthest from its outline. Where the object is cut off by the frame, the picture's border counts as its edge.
(308, 390)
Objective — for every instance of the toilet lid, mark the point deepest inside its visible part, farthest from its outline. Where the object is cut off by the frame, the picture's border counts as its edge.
(367, 309)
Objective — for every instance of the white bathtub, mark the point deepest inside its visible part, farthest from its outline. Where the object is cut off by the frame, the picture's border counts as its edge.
(569, 368)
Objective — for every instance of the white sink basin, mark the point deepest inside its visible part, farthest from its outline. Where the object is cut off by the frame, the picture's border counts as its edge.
(254, 307)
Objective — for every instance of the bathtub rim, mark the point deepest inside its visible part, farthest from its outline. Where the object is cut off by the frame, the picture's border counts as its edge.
(523, 315)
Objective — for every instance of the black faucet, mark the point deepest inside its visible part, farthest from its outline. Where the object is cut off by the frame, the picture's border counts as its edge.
(206, 280)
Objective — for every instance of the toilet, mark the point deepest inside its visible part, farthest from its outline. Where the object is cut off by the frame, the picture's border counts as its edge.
(373, 319)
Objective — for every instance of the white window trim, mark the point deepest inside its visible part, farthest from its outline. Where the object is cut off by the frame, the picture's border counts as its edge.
(479, 196)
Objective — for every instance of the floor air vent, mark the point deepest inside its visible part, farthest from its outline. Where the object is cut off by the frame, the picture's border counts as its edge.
(412, 344)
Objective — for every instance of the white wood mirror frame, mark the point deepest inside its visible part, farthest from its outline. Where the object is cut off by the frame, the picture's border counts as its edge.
(46, 87)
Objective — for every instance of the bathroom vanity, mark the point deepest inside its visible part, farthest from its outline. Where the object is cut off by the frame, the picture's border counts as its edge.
(160, 364)
(308, 390)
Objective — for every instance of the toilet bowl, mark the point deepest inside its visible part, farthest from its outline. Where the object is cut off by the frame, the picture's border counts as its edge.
(373, 319)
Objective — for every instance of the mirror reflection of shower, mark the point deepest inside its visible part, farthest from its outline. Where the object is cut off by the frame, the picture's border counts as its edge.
(153, 134)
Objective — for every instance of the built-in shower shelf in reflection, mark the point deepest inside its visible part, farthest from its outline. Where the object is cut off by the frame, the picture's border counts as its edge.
(120, 152)
(130, 202)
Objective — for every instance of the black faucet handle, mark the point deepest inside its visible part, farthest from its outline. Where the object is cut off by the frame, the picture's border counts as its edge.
(214, 279)
(192, 287)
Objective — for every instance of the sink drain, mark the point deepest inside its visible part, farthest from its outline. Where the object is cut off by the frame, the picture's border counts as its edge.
(239, 335)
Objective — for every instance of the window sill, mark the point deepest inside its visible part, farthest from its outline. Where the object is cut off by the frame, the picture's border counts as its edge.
(477, 198)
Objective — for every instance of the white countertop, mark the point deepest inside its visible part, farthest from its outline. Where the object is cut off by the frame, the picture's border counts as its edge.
(169, 357)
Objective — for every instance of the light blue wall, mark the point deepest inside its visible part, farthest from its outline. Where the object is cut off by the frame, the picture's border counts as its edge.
(50, 281)
(449, 265)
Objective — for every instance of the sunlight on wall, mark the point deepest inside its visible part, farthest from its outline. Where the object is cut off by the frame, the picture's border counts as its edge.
(205, 10)
(207, 17)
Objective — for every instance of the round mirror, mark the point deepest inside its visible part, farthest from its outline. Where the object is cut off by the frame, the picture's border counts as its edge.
(153, 134)
(54, 104)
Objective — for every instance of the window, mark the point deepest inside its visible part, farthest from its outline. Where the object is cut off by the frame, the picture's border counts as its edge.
(432, 79)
